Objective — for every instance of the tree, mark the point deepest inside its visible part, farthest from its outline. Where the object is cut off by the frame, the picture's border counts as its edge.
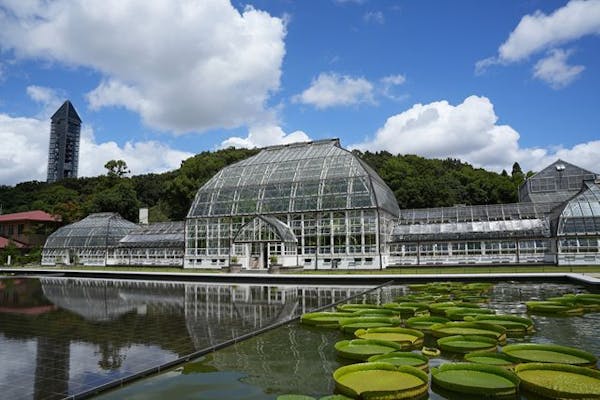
(121, 198)
(116, 168)
(517, 174)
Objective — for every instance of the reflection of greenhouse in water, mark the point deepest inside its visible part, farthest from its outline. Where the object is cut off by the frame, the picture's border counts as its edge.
(99, 330)
(315, 205)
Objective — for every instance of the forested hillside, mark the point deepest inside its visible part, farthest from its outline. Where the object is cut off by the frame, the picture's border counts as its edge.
(416, 182)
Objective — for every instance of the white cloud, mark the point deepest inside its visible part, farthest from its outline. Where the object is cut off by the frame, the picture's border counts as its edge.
(214, 67)
(376, 17)
(554, 69)
(331, 90)
(540, 31)
(265, 135)
(141, 157)
(49, 98)
(469, 131)
(26, 157)
(389, 82)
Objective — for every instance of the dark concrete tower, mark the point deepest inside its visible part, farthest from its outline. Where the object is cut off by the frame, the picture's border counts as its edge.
(63, 152)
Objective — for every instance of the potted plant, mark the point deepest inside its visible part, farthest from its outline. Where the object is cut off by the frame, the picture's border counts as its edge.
(274, 265)
(234, 265)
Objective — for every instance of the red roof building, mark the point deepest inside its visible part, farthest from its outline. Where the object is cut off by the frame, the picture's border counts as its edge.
(27, 229)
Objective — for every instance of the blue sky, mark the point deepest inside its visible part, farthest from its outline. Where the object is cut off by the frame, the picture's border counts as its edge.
(155, 82)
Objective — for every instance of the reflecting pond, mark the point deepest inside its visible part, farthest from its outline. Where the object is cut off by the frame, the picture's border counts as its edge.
(299, 359)
(61, 336)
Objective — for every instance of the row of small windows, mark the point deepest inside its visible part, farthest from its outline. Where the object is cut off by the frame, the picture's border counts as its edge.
(468, 248)
(9, 230)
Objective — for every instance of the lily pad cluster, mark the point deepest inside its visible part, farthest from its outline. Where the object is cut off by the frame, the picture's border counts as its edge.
(454, 316)
(568, 304)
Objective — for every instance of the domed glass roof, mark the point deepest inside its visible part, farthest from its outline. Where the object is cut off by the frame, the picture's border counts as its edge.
(96, 230)
(581, 215)
(299, 177)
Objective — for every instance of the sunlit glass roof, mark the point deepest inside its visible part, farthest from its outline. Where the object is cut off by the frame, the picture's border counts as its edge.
(96, 230)
(298, 177)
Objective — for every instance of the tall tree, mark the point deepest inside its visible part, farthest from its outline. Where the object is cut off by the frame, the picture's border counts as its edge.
(117, 168)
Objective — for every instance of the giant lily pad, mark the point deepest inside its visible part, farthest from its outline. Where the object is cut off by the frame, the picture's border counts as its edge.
(458, 313)
(349, 325)
(324, 319)
(379, 381)
(559, 381)
(490, 358)
(549, 353)
(294, 397)
(553, 307)
(402, 358)
(377, 312)
(512, 323)
(469, 328)
(361, 349)
(466, 343)
(424, 323)
(351, 307)
(408, 309)
(407, 338)
(484, 380)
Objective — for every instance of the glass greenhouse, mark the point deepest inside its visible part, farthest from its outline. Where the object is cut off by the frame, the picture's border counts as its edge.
(558, 182)
(88, 242)
(578, 228)
(499, 233)
(315, 205)
(311, 204)
(160, 243)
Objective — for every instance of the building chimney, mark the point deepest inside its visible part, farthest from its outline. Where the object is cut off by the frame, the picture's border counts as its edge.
(143, 218)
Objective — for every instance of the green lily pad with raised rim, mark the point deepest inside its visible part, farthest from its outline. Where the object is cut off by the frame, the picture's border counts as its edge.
(512, 323)
(294, 397)
(380, 381)
(458, 313)
(349, 325)
(466, 343)
(417, 306)
(325, 319)
(469, 328)
(481, 379)
(549, 353)
(407, 338)
(361, 349)
(403, 358)
(424, 323)
(559, 381)
(553, 307)
(380, 312)
(335, 397)
(490, 358)
(351, 307)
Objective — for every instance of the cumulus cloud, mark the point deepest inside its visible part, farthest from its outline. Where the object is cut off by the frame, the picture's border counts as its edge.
(538, 32)
(332, 89)
(26, 158)
(215, 67)
(265, 135)
(469, 131)
(555, 70)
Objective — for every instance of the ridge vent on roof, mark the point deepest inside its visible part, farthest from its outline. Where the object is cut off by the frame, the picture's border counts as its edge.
(333, 141)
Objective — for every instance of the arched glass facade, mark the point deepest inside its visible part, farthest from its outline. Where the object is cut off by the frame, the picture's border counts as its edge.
(338, 208)
(579, 228)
